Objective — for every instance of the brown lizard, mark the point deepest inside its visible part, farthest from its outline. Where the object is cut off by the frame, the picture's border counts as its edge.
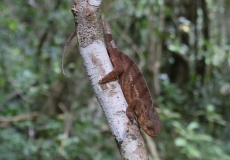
(134, 87)
(132, 83)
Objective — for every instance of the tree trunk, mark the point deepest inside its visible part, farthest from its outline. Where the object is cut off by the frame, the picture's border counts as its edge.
(96, 60)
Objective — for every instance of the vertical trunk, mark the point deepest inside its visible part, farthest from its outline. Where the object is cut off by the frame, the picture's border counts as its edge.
(110, 97)
(155, 48)
(200, 60)
(227, 21)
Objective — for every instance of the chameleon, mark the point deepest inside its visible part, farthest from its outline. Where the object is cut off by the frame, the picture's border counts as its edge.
(134, 87)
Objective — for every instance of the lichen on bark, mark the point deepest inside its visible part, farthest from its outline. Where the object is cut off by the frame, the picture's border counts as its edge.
(90, 28)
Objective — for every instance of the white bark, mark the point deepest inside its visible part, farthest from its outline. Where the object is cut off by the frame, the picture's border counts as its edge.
(110, 96)
(95, 57)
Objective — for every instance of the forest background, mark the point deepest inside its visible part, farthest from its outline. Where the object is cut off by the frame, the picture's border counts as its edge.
(182, 47)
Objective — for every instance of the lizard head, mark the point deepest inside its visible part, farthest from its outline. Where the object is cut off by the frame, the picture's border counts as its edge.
(151, 124)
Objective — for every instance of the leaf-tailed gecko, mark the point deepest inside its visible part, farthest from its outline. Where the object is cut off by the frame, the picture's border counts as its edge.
(134, 87)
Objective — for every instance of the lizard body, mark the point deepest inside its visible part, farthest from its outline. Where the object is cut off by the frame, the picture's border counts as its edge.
(134, 87)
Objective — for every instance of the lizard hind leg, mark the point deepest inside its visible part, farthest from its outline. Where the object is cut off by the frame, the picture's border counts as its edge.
(116, 62)
(111, 76)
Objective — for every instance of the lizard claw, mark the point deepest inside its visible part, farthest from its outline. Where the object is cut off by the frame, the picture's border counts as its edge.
(131, 120)
(102, 81)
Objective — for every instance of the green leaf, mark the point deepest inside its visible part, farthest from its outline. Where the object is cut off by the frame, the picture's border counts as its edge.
(180, 142)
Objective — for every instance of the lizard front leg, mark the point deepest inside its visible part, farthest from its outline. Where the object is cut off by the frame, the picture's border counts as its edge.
(135, 107)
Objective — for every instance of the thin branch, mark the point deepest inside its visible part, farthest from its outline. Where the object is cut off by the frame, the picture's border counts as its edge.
(151, 147)
(5, 121)
(68, 123)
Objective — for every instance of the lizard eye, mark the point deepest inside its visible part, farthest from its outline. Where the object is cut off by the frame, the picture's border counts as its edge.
(149, 126)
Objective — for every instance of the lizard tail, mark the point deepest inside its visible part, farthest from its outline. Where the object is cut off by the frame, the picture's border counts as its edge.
(64, 50)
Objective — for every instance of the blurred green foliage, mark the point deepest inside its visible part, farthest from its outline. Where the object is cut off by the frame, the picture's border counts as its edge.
(194, 79)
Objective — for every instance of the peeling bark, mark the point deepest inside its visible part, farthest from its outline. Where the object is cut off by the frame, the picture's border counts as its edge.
(96, 60)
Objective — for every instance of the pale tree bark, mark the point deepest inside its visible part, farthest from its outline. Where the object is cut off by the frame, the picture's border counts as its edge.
(96, 60)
